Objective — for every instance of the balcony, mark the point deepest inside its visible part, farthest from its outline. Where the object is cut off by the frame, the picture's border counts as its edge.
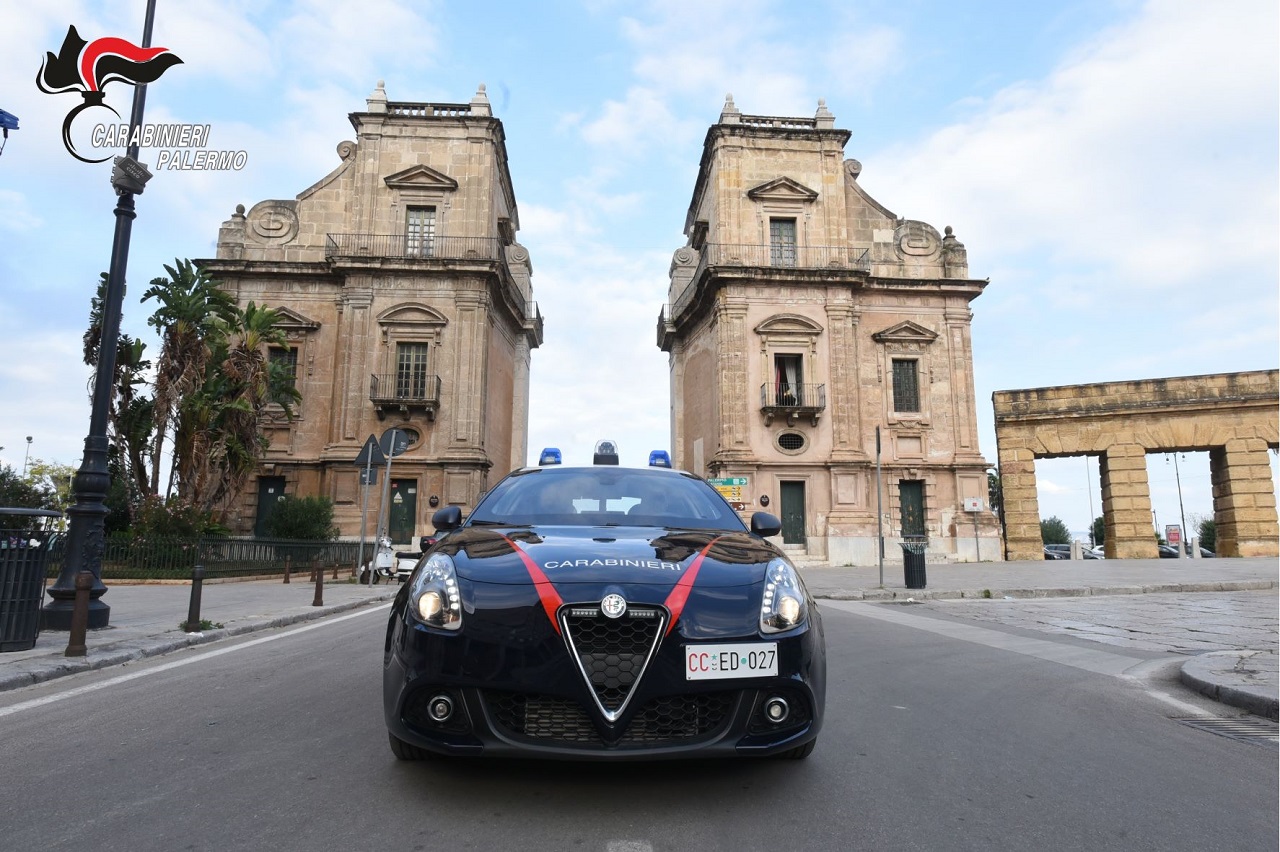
(788, 257)
(402, 247)
(793, 401)
(405, 394)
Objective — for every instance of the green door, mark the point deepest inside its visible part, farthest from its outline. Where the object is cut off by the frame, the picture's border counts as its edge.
(911, 501)
(404, 510)
(792, 500)
(270, 491)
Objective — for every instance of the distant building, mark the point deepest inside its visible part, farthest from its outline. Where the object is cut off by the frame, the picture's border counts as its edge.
(802, 316)
(407, 302)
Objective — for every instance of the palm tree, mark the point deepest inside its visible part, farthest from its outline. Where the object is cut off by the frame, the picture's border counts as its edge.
(192, 309)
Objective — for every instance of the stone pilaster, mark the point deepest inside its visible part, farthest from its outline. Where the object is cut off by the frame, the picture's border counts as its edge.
(731, 321)
(1244, 501)
(1021, 503)
(472, 347)
(352, 366)
(844, 394)
(1126, 503)
(520, 404)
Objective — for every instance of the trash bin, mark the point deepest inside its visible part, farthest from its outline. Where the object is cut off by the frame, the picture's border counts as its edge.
(24, 550)
(913, 563)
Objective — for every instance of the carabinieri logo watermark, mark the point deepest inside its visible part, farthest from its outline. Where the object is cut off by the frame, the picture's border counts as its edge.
(87, 68)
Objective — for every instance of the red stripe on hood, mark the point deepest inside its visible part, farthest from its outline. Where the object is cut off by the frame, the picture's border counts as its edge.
(547, 593)
(676, 600)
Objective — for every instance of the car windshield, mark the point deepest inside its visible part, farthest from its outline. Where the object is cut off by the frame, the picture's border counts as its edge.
(606, 496)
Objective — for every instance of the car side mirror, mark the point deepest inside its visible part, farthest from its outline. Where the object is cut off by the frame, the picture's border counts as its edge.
(764, 524)
(448, 518)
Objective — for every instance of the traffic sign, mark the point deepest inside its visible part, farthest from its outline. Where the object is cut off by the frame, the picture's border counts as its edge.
(394, 442)
(729, 480)
(370, 454)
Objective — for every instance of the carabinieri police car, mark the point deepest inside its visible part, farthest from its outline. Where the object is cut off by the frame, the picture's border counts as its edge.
(603, 613)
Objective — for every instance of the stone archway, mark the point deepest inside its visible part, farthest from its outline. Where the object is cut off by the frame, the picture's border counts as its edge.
(1231, 415)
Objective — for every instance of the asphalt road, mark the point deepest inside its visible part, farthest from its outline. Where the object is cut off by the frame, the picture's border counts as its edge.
(942, 733)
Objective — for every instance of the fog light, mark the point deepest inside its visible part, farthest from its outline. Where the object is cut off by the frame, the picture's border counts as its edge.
(440, 708)
(776, 709)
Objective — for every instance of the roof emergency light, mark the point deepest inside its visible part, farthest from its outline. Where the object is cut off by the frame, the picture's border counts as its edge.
(551, 455)
(659, 458)
(606, 453)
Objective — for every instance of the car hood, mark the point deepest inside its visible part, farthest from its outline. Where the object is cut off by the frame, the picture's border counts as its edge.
(598, 556)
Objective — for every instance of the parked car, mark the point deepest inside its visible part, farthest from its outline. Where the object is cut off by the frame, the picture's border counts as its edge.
(1057, 551)
(1168, 551)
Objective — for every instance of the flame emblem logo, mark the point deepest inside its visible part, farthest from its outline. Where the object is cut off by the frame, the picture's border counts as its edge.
(87, 67)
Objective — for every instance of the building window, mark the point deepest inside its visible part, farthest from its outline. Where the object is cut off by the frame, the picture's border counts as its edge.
(284, 362)
(420, 232)
(906, 385)
(411, 371)
(787, 378)
(782, 242)
(791, 442)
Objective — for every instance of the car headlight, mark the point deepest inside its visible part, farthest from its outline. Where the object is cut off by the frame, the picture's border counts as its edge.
(783, 605)
(434, 598)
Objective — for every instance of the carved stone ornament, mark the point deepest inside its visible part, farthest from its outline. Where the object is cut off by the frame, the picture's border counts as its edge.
(274, 221)
(916, 240)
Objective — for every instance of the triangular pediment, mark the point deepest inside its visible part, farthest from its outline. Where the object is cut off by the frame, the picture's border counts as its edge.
(412, 314)
(788, 324)
(782, 189)
(290, 320)
(905, 332)
(421, 177)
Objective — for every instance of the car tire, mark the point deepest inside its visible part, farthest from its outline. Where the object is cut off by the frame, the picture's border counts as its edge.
(799, 752)
(405, 751)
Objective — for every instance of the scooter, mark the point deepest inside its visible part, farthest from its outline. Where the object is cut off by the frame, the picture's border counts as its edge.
(383, 563)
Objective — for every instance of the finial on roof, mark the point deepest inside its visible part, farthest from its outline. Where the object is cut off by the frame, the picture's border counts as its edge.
(729, 114)
(823, 119)
(377, 102)
(480, 103)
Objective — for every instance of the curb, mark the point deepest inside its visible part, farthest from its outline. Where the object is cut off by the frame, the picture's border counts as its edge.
(1026, 594)
(1197, 674)
(132, 650)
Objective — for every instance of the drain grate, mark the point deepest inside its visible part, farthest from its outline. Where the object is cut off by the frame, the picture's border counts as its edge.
(1245, 729)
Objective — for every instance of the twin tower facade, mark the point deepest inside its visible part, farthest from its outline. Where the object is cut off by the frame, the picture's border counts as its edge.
(819, 345)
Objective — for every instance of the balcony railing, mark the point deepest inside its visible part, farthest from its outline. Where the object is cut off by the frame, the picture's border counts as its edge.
(807, 258)
(405, 393)
(400, 246)
(792, 400)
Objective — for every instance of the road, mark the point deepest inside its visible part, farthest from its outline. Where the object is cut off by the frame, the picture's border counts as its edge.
(943, 732)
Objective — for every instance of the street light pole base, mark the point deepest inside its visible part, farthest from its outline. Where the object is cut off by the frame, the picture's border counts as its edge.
(56, 615)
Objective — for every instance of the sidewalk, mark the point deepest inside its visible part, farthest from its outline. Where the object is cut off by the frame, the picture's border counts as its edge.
(146, 619)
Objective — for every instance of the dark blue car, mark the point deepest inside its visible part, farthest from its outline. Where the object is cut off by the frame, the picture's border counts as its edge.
(604, 613)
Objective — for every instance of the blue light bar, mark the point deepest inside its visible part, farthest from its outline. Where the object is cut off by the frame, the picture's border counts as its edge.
(659, 458)
(551, 455)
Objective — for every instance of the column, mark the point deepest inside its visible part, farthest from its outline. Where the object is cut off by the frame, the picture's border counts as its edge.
(1126, 503)
(1244, 502)
(731, 356)
(1020, 501)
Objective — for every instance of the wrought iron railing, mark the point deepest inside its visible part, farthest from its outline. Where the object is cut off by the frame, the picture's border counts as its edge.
(173, 558)
(407, 389)
(401, 246)
(775, 256)
(793, 395)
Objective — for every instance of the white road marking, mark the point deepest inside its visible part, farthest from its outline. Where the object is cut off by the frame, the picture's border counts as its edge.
(186, 661)
(628, 846)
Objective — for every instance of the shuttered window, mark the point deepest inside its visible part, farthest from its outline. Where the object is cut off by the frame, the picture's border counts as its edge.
(906, 385)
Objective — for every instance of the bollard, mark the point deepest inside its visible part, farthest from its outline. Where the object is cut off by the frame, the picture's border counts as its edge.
(193, 610)
(80, 616)
(288, 569)
(335, 571)
(319, 599)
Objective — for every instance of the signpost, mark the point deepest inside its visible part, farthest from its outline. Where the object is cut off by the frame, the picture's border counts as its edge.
(393, 442)
(973, 505)
(730, 488)
(370, 456)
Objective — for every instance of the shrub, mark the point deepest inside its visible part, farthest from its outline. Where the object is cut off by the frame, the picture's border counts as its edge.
(302, 518)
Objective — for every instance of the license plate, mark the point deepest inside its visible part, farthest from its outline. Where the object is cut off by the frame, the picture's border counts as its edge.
(741, 659)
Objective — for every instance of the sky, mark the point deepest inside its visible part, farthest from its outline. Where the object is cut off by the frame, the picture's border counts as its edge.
(1110, 165)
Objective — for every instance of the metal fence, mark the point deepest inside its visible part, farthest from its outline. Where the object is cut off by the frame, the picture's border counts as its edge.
(173, 559)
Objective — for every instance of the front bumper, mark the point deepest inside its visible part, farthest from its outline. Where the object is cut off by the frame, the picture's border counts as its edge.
(531, 701)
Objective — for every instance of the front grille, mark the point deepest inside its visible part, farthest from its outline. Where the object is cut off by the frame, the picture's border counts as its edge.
(612, 652)
(666, 720)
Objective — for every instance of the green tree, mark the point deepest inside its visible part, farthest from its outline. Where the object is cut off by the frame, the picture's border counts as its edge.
(52, 478)
(306, 518)
(1208, 532)
(1054, 531)
(1099, 530)
(995, 496)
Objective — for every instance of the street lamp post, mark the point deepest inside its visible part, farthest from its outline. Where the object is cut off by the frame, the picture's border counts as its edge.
(86, 532)
(26, 457)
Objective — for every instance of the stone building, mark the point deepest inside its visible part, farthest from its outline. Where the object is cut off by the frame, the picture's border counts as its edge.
(803, 319)
(407, 303)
